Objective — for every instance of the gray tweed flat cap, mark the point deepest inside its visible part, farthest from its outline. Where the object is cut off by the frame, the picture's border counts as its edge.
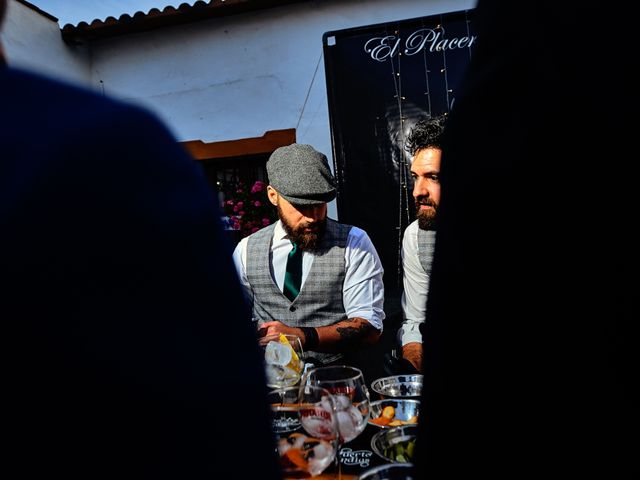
(301, 175)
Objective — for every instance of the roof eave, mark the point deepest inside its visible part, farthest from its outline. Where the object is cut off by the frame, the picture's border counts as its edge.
(169, 16)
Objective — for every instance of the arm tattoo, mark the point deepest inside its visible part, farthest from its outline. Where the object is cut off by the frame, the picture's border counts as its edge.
(354, 335)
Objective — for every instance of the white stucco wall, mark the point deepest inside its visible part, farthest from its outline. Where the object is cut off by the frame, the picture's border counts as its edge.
(240, 76)
(32, 41)
(220, 79)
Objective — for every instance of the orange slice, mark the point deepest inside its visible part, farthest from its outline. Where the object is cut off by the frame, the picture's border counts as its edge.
(296, 457)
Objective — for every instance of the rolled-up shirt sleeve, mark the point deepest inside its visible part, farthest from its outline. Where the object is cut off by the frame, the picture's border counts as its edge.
(415, 289)
(363, 292)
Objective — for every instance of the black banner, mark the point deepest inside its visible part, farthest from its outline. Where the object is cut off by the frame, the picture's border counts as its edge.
(380, 80)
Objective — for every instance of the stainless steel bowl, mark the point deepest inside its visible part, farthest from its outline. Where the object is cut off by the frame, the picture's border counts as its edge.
(398, 386)
(390, 442)
(390, 471)
(405, 408)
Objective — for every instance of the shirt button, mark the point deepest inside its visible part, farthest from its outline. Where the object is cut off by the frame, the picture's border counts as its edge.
(292, 308)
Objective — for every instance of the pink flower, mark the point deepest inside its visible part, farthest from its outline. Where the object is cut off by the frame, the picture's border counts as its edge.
(248, 207)
(257, 187)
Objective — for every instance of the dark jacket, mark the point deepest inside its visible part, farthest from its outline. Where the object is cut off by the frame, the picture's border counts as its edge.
(128, 348)
(531, 350)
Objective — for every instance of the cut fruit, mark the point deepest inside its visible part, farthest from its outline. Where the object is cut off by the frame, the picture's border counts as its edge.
(296, 457)
(294, 364)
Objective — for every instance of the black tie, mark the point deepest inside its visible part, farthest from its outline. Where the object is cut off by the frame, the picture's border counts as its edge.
(293, 276)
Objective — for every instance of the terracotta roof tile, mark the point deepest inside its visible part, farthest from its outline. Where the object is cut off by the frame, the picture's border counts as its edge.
(169, 15)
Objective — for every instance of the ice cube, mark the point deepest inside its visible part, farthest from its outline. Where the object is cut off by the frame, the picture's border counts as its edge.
(319, 427)
(327, 404)
(323, 455)
(350, 423)
(343, 402)
(278, 376)
(290, 375)
(276, 353)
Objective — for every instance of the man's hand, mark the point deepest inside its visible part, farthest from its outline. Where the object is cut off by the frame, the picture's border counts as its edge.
(412, 352)
(269, 328)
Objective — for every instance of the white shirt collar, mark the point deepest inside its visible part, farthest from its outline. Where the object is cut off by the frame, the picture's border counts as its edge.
(279, 232)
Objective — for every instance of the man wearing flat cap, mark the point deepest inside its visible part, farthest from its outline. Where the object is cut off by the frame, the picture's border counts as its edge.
(307, 274)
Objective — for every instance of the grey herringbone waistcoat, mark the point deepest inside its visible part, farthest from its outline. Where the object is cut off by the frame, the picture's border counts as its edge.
(426, 245)
(319, 302)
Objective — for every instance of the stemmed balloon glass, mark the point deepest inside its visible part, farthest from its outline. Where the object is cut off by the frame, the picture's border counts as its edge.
(284, 359)
(306, 428)
(351, 395)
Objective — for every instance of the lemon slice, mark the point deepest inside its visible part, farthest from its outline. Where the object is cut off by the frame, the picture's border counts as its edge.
(294, 364)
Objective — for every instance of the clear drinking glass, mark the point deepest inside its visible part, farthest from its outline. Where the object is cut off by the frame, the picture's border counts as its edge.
(351, 395)
(284, 359)
(306, 429)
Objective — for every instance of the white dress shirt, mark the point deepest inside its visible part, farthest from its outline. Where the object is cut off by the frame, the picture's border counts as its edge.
(363, 292)
(415, 288)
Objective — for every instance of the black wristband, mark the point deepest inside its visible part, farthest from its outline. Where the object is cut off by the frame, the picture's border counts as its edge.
(310, 337)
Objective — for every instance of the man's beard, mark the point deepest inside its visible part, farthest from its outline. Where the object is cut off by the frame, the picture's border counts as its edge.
(426, 218)
(305, 240)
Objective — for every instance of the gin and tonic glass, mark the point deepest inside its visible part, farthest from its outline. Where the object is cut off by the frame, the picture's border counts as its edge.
(284, 359)
(306, 428)
(351, 395)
